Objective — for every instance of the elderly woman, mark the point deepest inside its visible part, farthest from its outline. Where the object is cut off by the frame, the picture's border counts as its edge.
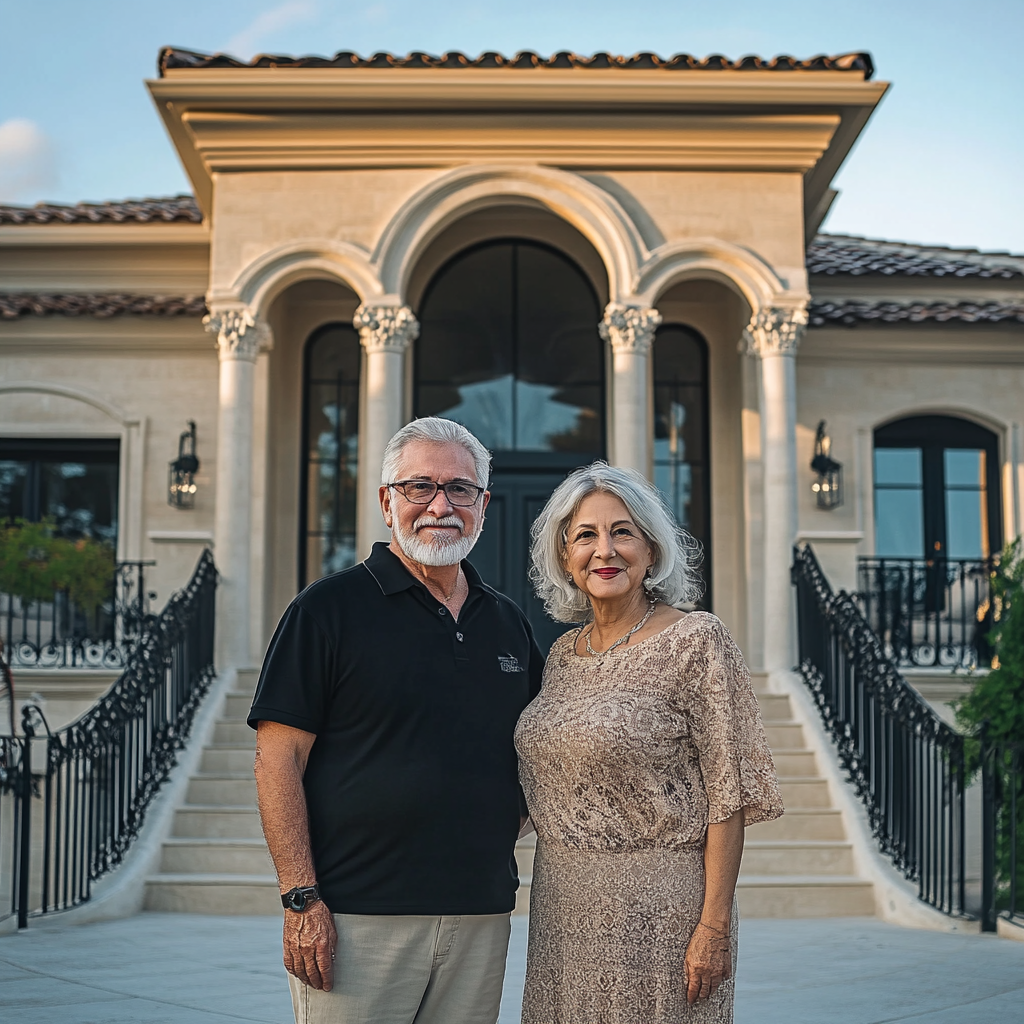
(642, 759)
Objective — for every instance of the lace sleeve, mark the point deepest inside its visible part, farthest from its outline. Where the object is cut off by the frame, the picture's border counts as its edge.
(735, 762)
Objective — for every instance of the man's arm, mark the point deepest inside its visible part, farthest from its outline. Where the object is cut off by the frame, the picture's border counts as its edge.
(309, 937)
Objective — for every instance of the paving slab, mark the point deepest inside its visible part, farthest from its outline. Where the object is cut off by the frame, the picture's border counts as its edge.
(193, 969)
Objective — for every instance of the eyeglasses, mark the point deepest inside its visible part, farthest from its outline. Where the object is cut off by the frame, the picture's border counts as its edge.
(423, 492)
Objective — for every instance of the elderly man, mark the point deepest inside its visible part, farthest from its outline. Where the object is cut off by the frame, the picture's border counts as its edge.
(385, 768)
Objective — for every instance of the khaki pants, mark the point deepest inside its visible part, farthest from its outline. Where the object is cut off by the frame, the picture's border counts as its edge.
(411, 970)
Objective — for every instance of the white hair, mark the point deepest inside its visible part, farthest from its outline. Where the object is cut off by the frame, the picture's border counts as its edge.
(677, 555)
(434, 430)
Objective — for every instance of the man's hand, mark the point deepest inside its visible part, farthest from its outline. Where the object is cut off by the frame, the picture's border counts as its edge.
(309, 941)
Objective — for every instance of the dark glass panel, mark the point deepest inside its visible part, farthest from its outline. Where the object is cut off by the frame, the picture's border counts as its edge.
(330, 445)
(14, 477)
(509, 347)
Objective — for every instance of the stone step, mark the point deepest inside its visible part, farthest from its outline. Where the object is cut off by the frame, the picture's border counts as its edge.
(239, 758)
(805, 896)
(187, 856)
(759, 682)
(787, 762)
(797, 857)
(231, 788)
(213, 893)
(192, 820)
(801, 823)
(236, 707)
(234, 733)
(775, 707)
(781, 736)
(246, 680)
(796, 792)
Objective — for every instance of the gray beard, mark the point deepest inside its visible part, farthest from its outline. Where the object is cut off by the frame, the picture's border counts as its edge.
(437, 553)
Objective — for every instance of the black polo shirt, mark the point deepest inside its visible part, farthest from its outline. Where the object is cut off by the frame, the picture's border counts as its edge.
(412, 784)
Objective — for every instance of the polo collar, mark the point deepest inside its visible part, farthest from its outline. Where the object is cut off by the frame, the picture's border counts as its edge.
(392, 576)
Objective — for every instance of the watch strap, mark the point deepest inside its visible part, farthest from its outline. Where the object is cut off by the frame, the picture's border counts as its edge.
(300, 898)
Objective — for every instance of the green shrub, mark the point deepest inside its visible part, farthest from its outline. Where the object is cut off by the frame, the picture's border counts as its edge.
(34, 563)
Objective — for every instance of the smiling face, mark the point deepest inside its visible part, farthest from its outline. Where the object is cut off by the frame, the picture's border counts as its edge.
(605, 550)
(439, 533)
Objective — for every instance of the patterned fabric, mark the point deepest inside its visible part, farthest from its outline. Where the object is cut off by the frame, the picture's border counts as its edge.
(625, 759)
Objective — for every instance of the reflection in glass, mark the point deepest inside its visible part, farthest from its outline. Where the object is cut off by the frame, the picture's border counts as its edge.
(509, 347)
(680, 433)
(899, 503)
(966, 518)
(330, 446)
(73, 482)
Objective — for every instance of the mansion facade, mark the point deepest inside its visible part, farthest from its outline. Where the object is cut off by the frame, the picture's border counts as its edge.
(577, 258)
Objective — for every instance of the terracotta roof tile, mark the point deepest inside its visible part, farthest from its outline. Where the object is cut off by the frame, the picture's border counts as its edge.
(851, 314)
(173, 59)
(167, 208)
(844, 254)
(101, 305)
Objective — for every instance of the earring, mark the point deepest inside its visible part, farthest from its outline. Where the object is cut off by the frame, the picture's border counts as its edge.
(569, 579)
(648, 582)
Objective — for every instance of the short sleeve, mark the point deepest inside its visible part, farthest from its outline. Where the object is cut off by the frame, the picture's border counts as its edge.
(298, 674)
(735, 762)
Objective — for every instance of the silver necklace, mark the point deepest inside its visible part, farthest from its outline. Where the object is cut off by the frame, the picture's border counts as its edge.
(623, 639)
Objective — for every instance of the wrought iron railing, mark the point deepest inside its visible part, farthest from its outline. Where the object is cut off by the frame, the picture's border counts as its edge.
(928, 614)
(905, 763)
(72, 802)
(58, 633)
(1002, 871)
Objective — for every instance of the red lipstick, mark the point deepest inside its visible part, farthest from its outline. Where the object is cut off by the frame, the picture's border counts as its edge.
(606, 573)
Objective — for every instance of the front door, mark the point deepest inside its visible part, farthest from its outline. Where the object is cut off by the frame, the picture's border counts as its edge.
(509, 347)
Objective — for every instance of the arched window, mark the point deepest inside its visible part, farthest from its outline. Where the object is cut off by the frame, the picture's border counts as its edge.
(936, 489)
(681, 462)
(509, 347)
(330, 446)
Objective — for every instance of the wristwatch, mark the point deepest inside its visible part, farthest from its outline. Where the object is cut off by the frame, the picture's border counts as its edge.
(301, 898)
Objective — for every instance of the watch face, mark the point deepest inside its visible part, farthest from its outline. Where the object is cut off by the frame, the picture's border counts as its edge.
(297, 900)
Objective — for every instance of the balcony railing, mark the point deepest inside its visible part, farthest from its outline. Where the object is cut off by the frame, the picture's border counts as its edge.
(928, 614)
(58, 633)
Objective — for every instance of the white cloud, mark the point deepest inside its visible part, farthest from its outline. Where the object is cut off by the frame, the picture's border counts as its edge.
(247, 43)
(27, 163)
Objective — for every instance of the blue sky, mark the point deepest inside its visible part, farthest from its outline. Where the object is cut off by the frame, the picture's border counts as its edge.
(940, 162)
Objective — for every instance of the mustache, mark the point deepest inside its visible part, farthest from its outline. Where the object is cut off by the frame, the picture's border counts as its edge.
(452, 520)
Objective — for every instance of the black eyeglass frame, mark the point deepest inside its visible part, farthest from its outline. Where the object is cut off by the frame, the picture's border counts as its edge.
(400, 485)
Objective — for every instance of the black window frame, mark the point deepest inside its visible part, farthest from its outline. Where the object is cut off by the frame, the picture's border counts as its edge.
(934, 434)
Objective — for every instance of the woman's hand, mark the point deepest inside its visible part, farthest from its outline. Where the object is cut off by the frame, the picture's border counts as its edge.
(708, 962)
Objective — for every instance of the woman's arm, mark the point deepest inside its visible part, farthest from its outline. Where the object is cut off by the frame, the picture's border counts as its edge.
(709, 955)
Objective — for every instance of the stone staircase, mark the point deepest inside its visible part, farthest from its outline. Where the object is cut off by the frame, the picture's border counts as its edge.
(801, 865)
(216, 862)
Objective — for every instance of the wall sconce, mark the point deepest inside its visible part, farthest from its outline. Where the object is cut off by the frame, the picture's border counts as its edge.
(828, 485)
(181, 482)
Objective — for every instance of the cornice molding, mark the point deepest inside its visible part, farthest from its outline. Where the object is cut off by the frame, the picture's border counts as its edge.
(101, 305)
(386, 328)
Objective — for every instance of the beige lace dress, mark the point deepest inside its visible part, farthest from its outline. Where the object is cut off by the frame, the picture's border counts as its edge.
(625, 758)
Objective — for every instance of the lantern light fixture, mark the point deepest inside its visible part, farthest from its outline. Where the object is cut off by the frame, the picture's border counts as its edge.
(828, 480)
(181, 484)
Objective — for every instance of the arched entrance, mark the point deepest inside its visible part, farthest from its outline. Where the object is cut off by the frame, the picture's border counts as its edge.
(509, 347)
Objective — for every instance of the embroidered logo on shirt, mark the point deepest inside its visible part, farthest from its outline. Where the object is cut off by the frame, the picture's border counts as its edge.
(509, 664)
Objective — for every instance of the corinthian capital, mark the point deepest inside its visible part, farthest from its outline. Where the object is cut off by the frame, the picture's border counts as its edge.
(629, 328)
(238, 332)
(775, 331)
(386, 328)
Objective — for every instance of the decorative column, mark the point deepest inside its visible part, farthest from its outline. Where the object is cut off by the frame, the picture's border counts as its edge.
(239, 337)
(386, 332)
(773, 335)
(629, 330)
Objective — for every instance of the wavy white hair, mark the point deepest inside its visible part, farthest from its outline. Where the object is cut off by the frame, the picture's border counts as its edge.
(677, 555)
(435, 430)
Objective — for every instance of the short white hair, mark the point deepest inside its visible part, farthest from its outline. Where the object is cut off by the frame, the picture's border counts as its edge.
(434, 430)
(677, 555)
